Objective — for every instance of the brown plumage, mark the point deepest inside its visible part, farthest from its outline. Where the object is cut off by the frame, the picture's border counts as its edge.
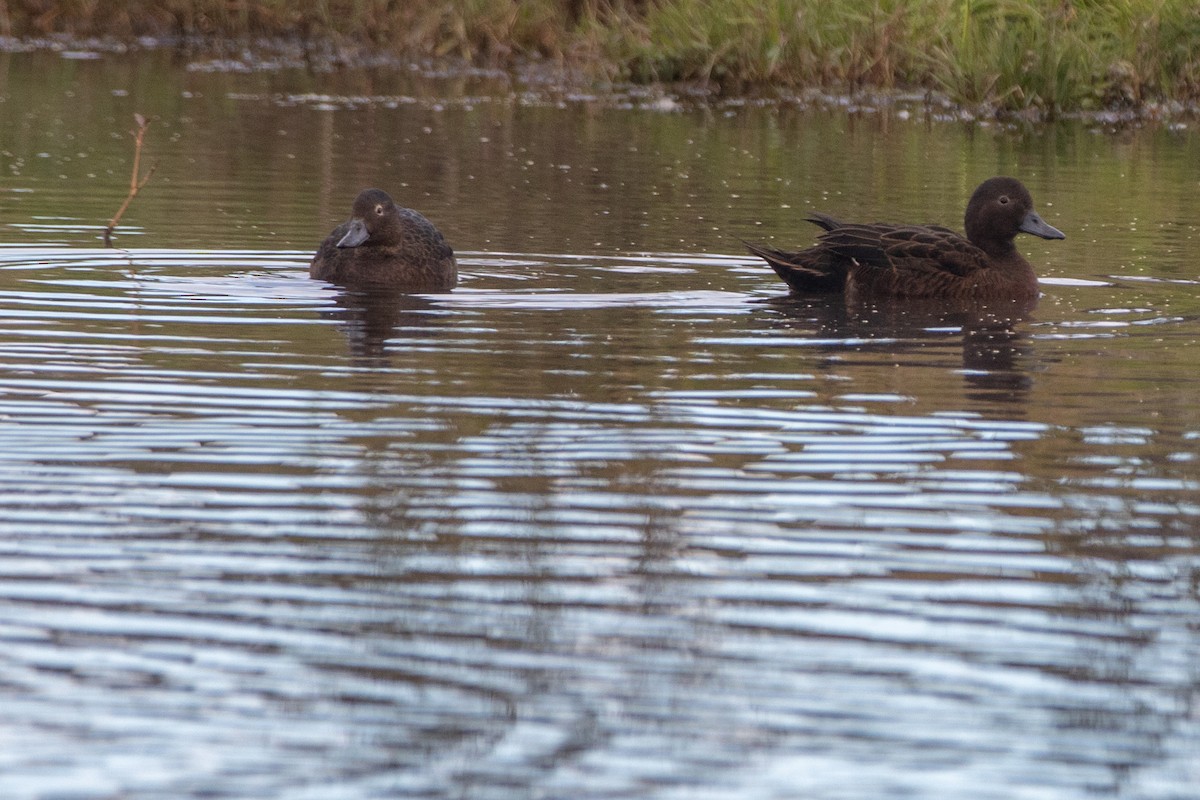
(383, 245)
(885, 260)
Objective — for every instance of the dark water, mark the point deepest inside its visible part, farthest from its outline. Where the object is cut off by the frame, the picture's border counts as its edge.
(617, 518)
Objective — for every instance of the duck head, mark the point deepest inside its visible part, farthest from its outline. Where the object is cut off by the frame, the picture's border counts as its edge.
(1000, 209)
(375, 220)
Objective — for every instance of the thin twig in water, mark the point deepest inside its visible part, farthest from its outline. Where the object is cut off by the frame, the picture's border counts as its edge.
(135, 183)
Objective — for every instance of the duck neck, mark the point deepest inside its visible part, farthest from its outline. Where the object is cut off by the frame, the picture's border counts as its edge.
(999, 250)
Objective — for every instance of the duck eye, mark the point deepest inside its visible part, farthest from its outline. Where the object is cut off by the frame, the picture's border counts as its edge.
(1003, 199)
(379, 209)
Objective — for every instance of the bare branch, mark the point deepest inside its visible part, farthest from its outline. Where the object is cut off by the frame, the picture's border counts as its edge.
(136, 182)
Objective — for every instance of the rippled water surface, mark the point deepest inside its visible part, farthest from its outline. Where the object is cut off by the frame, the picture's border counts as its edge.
(617, 518)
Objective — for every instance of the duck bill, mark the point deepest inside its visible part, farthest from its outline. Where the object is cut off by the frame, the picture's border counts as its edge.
(358, 234)
(1038, 227)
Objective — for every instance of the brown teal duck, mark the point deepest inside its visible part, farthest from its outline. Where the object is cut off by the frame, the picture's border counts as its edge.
(386, 246)
(885, 260)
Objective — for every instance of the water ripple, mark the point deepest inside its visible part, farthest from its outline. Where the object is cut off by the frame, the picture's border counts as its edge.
(527, 535)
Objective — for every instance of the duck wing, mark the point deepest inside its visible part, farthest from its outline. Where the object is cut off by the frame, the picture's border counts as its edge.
(824, 221)
(420, 240)
(811, 271)
(918, 249)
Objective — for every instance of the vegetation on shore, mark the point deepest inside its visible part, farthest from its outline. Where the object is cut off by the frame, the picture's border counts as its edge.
(1036, 56)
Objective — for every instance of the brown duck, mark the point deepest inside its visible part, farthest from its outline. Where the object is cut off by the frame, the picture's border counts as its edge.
(885, 260)
(383, 245)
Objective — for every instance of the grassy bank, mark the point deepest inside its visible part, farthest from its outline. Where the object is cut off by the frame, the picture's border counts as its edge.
(1047, 56)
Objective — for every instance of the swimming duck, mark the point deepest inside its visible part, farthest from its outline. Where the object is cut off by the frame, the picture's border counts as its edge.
(885, 260)
(385, 245)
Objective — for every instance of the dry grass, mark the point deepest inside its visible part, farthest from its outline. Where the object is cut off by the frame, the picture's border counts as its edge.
(1048, 55)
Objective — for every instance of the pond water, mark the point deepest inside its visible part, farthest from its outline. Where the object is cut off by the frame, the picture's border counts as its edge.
(617, 518)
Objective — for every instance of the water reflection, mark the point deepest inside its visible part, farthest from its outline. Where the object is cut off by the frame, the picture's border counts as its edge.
(992, 341)
(536, 539)
(610, 520)
(369, 319)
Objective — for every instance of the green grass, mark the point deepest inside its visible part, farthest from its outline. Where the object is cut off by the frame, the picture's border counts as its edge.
(1047, 56)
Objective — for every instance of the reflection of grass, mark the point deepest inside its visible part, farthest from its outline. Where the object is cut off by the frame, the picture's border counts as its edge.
(1049, 55)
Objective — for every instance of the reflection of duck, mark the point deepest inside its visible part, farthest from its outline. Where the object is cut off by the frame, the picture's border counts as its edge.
(991, 343)
(370, 318)
(384, 245)
(884, 260)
